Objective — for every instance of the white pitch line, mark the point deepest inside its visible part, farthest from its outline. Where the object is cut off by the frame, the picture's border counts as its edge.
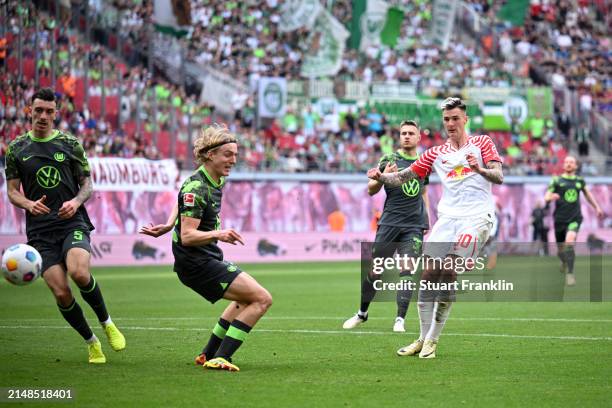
(344, 332)
(492, 319)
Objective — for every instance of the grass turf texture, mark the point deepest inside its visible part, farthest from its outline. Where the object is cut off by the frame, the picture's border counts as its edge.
(490, 354)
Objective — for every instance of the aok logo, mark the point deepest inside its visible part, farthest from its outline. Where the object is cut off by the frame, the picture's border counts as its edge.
(411, 188)
(48, 177)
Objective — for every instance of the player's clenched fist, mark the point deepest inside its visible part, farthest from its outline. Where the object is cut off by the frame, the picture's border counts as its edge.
(473, 162)
(374, 173)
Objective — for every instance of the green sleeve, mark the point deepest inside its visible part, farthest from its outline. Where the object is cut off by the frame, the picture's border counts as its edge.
(553, 185)
(80, 164)
(191, 199)
(382, 163)
(10, 169)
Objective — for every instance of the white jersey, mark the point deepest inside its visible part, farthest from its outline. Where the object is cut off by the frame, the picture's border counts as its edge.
(465, 194)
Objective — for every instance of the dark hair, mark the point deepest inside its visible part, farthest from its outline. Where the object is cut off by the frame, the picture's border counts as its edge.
(452, 103)
(409, 123)
(45, 94)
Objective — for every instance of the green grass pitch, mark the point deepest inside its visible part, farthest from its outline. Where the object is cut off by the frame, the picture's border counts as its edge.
(490, 354)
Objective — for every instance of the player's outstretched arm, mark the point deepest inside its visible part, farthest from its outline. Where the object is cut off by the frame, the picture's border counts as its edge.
(161, 229)
(591, 200)
(392, 179)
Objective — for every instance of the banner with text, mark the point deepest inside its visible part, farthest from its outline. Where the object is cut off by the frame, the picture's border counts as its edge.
(300, 207)
(443, 22)
(134, 249)
(117, 174)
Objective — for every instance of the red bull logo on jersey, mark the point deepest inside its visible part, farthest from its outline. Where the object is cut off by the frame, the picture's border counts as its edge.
(458, 172)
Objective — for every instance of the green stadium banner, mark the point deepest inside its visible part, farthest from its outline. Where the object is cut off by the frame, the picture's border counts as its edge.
(375, 23)
(501, 107)
(359, 7)
(514, 11)
(393, 25)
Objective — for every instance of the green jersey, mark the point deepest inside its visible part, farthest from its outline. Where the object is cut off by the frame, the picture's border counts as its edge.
(404, 205)
(53, 167)
(200, 197)
(567, 207)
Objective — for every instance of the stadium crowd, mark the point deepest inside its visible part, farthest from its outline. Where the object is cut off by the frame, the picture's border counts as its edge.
(244, 40)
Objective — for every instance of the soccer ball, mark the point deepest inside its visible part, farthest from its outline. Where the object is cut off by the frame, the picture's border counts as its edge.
(21, 264)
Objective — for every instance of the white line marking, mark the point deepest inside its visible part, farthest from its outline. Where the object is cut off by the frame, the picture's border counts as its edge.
(491, 319)
(344, 332)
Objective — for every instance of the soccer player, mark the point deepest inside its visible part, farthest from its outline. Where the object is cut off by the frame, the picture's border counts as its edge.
(467, 166)
(54, 171)
(565, 191)
(198, 260)
(402, 224)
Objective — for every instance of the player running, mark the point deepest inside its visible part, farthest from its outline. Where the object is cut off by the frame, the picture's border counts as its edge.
(402, 224)
(465, 212)
(198, 260)
(565, 191)
(54, 171)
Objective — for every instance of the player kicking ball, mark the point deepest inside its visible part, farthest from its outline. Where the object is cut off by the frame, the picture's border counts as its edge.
(403, 222)
(565, 192)
(467, 167)
(53, 169)
(198, 260)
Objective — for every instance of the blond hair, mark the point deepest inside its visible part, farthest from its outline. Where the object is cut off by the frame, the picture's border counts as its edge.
(210, 138)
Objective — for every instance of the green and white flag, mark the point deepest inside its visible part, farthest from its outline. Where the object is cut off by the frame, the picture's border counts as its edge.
(326, 43)
(172, 17)
(296, 14)
(375, 23)
(272, 97)
(443, 22)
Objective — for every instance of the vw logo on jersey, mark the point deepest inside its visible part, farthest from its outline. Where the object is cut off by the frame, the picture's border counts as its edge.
(48, 177)
(571, 195)
(411, 188)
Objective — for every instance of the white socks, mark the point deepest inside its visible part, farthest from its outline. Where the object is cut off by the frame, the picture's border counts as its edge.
(91, 340)
(107, 321)
(442, 311)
